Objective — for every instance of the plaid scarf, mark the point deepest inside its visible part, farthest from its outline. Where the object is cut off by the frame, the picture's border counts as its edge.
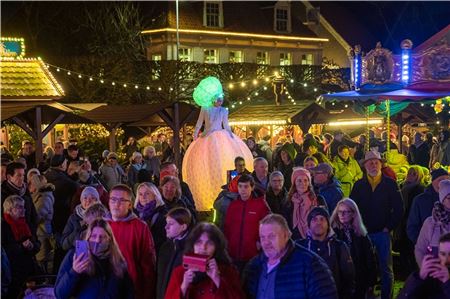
(440, 214)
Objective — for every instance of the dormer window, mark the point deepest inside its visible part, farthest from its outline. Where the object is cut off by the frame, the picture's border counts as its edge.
(213, 14)
(282, 17)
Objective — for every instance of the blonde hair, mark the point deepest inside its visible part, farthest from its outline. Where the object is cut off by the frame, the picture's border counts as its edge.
(357, 223)
(116, 259)
(10, 202)
(32, 172)
(419, 171)
(38, 181)
(152, 188)
(134, 156)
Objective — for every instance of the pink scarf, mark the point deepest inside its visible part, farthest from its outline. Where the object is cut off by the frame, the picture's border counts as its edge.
(303, 203)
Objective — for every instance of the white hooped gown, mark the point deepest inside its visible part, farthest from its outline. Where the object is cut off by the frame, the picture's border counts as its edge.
(208, 158)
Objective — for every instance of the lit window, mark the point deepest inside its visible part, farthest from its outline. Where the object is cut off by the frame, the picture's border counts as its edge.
(236, 56)
(184, 54)
(307, 59)
(211, 56)
(262, 58)
(157, 57)
(285, 58)
(281, 19)
(212, 14)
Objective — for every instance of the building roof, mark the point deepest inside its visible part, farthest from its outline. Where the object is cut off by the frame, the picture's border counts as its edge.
(121, 113)
(50, 110)
(239, 16)
(27, 79)
(443, 34)
(276, 115)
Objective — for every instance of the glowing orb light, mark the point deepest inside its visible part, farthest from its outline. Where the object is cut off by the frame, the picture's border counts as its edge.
(207, 91)
(206, 162)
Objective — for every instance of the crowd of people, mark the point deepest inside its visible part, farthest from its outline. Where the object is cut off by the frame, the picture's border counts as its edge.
(319, 219)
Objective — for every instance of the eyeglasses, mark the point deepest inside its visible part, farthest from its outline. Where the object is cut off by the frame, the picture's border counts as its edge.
(343, 213)
(116, 200)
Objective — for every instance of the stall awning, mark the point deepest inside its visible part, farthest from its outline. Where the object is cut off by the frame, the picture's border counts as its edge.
(276, 115)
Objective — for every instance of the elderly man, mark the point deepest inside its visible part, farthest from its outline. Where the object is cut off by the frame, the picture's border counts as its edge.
(285, 270)
(277, 195)
(135, 241)
(260, 174)
(381, 206)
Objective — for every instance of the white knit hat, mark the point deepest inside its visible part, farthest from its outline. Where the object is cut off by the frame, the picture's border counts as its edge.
(444, 189)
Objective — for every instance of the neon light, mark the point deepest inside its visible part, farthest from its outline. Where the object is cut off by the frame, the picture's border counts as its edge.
(355, 122)
(243, 34)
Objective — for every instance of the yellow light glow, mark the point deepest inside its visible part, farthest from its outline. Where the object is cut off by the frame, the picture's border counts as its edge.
(255, 82)
(230, 86)
(243, 84)
(355, 122)
(227, 33)
(257, 122)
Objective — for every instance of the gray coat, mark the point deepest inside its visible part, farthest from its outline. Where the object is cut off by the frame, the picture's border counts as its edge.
(111, 175)
(43, 201)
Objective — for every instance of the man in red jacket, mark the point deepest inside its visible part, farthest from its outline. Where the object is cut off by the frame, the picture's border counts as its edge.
(135, 241)
(242, 222)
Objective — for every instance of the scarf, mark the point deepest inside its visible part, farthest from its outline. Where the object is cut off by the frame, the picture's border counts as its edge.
(18, 190)
(80, 211)
(348, 234)
(146, 212)
(440, 214)
(139, 166)
(19, 227)
(346, 162)
(303, 203)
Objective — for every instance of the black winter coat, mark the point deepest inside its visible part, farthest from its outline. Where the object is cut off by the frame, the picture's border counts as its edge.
(417, 288)
(364, 261)
(170, 256)
(65, 188)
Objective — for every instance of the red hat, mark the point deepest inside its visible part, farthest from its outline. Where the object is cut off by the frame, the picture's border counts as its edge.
(298, 171)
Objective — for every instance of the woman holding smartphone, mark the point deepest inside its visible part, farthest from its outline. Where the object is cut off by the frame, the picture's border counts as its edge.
(95, 269)
(221, 279)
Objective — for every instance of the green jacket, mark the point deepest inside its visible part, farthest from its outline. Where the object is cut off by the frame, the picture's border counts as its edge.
(347, 174)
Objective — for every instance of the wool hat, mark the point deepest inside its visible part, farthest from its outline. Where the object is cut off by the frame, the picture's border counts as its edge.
(438, 173)
(88, 190)
(298, 171)
(310, 142)
(318, 211)
(444, 189)
(323, 168)
(290, 150)
(112, 155)
(57, 160)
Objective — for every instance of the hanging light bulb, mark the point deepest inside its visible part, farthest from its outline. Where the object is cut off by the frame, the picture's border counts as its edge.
(148, 87)
(69, 73)
(57, 69)
(101, 81)
(90, 79)
(230, 86)
(255, 82)
(136, 86)
(79, 76)
(243, 84)
(113, 83)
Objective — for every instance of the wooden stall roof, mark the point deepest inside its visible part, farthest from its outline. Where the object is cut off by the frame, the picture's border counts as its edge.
(84, 106)
(188, 114)
(27, 79)
(277, 115)
(122, 113)
(50, 110)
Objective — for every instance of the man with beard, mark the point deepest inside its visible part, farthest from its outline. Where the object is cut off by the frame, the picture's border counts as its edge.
(433, 279)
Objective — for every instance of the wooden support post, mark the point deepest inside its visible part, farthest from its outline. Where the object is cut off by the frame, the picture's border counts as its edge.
(39, 136)
(176, 134)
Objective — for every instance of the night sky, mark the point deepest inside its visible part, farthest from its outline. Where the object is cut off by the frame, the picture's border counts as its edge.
(60, 33)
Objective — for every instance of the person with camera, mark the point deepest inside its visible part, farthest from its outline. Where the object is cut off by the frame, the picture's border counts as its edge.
(217, 277)
(433, 279)
(95, 270)
(436, 225)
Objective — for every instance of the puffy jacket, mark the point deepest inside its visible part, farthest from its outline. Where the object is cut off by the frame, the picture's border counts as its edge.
(421, 208)
(103, 284)
(347, 173)
(242, 226)
(43, 201)
(301, 274)
(382, 208)
(221, 205)
(111, 175)
(332, 193)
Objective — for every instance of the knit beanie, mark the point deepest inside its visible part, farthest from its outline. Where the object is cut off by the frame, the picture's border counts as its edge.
(437, 173)
(88, 190)
(298, 171)
(444, 189)
(290, 150)
(318, 211)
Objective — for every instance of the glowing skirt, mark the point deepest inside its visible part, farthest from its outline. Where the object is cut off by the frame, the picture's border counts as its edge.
(206, 162)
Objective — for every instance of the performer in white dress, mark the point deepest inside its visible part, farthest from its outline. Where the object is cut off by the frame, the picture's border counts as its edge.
(213, 151)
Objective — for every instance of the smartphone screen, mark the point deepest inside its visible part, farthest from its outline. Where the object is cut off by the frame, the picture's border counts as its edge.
(433, 251)
(81, 246)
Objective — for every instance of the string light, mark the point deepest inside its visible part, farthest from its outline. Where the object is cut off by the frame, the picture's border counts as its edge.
(102, 81)
(113, 83)
(148, 87)
(68, 73)
(125, 85)
(90, 79)
(255, 82)
(243, 84)
(79, 76)
(136, 86)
